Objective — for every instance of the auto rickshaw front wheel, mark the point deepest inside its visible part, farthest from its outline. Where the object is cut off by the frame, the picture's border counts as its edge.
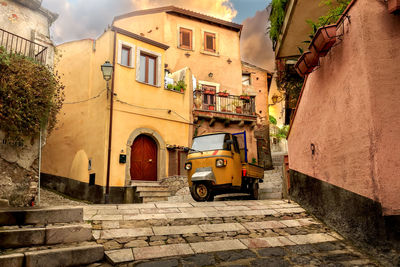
(201, 191)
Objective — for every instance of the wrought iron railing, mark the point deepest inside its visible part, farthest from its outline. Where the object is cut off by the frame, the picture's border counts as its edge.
(223, 102)
(15, 44)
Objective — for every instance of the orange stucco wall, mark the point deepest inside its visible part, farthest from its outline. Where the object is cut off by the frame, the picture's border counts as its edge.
(349, 110)
(83, 128)
(163, 27)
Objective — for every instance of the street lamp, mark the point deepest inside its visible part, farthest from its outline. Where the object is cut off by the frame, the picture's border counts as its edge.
(107, 70)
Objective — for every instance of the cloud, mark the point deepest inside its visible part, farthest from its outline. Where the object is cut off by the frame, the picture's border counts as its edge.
(79, 19)
(255, 45)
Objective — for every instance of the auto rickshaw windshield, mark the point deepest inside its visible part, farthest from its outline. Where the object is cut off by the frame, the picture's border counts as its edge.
(210, 142)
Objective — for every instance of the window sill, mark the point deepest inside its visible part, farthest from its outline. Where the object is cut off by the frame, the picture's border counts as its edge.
(126, 66)
(185, 49)
(179, 92)
(149, 84)
(215, 54)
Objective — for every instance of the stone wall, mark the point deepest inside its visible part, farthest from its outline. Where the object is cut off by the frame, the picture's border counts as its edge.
(175, 183)
(352, 215)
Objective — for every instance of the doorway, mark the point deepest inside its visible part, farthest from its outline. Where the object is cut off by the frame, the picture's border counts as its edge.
(144, 159)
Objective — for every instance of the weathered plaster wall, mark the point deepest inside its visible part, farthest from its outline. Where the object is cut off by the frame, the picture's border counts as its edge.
(163, 27)
(259, 88)
(22, 20)
(348, 110)
(81, 132)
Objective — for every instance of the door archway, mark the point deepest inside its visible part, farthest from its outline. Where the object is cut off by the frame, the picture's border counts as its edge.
(143, 159)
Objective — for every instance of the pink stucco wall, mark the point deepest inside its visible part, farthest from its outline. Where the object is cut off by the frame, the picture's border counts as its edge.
(350, 110)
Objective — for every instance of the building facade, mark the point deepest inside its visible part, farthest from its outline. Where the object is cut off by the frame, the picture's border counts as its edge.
(92, 154)
(210, 47)
(344, 138)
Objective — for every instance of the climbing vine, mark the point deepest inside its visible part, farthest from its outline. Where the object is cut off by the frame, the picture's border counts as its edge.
(31, 95)
(276, 19)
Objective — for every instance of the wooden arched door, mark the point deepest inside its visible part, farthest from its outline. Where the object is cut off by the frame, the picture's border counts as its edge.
(144, 159)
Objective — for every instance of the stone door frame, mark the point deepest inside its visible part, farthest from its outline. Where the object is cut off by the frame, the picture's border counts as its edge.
(161, 153)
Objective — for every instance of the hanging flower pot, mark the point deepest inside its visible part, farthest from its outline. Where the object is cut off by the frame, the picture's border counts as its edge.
(393, 6)
(211, 107)
(209, 92)
(306, 63)
(245, 97)
(323, 40)
(223, 94)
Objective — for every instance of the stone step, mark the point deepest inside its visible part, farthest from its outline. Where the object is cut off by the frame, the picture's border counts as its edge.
(154, 199)
(151, 188)
(40, 216)
(143, 183)
(154, 194)
(49, 235)
(129, 254)
(155, 232)
(66, 256)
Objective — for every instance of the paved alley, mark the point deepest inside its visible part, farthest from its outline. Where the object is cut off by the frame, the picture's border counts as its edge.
(223, 233)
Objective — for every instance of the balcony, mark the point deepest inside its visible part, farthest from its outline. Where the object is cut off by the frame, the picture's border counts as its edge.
(15, 44)
(210, 104)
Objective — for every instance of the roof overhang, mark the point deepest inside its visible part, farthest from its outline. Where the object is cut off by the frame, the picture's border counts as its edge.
(173, 10)
(295, 29)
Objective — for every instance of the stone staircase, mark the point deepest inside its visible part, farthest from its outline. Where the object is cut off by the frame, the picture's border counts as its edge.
(145, 192)
(271, 188)
(46, 237)
(141, 233)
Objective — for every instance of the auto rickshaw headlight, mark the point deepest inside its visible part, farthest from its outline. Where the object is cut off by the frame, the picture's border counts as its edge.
(220, 162)
(188, 166)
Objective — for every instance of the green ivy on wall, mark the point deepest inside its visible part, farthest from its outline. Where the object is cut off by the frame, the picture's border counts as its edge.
(31, 95)
(276, 19)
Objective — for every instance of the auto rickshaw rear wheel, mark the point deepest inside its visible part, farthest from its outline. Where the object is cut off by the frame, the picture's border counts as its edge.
(201, 191)
(254, 190)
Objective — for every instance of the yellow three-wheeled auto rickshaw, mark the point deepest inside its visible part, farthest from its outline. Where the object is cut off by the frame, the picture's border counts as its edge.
(217, 164)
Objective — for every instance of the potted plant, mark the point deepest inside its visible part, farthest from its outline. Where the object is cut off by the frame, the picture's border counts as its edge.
(245, 97)
(306, 63)
(393, 6)
(181, 86)
(238, 106)
(211, 107)
(323, 40)
(224, 108)
(223, 94)
(170, 86)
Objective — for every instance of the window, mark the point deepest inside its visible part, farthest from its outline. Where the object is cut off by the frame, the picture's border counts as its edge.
(126, 55)
(246, 79)
(209, 95)
(148, 69)
(185, 38)
(209, 42)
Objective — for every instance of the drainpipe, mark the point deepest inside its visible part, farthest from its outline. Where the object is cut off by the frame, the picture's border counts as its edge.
(107, 196)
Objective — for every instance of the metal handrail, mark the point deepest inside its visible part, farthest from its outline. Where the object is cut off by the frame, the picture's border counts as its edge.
(231, 104)
(16, 44)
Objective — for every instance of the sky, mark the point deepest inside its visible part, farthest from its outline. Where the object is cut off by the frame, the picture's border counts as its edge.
(79, 19)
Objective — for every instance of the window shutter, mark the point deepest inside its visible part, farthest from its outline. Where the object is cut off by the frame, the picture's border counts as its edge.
(185, 38)
(210, 42)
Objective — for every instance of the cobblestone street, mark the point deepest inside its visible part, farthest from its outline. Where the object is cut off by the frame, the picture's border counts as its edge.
(223, 233)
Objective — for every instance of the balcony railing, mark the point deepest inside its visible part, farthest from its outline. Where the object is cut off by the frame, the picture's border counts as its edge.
(221, 102)
(15, 44)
